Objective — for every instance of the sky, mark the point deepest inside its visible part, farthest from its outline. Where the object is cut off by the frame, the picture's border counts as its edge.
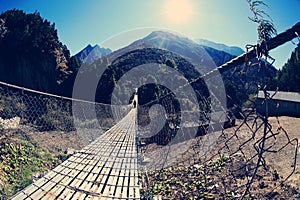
(114, 24)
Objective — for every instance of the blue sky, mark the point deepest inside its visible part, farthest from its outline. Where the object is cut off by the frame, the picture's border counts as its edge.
(82, 22)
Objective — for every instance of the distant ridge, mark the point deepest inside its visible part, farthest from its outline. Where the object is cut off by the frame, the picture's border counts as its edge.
(233, 50)
(91, 53)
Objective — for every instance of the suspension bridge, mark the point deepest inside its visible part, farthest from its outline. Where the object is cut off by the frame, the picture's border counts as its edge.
(107, 168)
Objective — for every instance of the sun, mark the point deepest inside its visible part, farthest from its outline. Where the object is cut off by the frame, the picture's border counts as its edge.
(178, 11)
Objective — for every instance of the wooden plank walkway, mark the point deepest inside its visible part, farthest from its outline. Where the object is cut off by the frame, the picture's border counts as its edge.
(105, 169)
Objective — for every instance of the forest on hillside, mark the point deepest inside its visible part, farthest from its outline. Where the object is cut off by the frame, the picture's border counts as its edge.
(288, 77)
(31, 54)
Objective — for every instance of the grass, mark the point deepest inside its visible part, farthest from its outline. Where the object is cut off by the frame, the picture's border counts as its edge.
(20, 159)
(216, 179)
(186, 182)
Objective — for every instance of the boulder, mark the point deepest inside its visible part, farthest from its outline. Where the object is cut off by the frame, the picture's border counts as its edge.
(12, 123)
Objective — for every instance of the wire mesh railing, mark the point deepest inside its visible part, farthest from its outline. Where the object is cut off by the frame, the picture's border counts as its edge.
(251, 156)
(22, 108)
(243, 155)
(47, 112)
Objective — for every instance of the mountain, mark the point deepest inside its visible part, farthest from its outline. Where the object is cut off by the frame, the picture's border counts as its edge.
(91, 53)
(182, 54)
(187, 48)
(157, 47)
(204, 58)
(233, 50)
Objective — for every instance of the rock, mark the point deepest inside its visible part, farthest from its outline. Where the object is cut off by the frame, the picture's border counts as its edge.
(145, 160)
(240, 168)
(70, 151)
(197, 166)
(13, 123)
(37, 176)
(157, 198)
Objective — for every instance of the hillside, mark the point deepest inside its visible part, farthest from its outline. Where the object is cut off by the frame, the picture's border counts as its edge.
(128, 61)
(31, 54)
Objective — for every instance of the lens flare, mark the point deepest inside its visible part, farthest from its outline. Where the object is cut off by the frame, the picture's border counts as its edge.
(178, 11)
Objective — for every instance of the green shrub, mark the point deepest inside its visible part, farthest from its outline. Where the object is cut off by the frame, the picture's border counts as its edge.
(19, 160)
(11, 106)
(55, 118)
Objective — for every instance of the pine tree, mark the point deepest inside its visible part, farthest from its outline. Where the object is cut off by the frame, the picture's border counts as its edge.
(288, 77)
